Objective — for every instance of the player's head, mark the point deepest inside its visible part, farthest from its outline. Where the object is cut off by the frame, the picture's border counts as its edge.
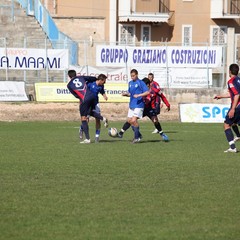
(151, 77)
(146, 81)
(101, 79)
(134, 74)
(233, 69)
(72, 73)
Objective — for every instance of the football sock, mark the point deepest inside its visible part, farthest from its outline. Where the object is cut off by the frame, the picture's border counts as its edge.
(136, 132)
(85, 129)
(158, 127)
(125, 127)
(236, 130)
(97, 134)
(229, 136)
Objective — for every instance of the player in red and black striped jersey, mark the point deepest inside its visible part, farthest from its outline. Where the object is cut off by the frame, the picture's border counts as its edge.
(154, 86)
(233, 116)
(151, 111)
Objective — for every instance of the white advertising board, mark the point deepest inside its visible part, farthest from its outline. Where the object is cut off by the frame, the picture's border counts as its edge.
(12, 91)
(203, 113)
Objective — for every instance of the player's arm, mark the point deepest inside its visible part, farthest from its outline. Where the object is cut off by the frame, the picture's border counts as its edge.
(126, 94)
(144, 94)
(233, 106)
(164, 99)
(89, 79)
(227, 95)
(105, 96)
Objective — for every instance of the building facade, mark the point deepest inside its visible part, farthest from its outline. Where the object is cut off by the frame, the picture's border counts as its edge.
(149, 23)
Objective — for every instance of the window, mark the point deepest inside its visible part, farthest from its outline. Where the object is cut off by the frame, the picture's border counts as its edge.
(218, 35)
(187, 35)
(127, 34)
(145, 35)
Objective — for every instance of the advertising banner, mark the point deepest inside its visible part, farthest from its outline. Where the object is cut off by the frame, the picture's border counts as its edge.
(58, 92)
(203, 113)
(33, 58)
(12, 91)
(173, 78)
(114, 74)
(190, 78)
(163, 56)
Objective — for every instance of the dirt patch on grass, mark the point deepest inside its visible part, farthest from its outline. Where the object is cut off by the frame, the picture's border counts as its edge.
(33, 111)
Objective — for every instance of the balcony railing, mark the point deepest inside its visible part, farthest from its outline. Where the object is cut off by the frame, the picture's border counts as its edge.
(157, 6)
(235, 7)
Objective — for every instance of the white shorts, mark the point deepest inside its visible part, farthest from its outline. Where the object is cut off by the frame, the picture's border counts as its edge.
(135, 112)
(97, 108)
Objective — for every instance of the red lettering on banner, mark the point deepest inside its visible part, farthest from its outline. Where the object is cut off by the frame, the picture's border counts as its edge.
(16, 52)
(120, 77)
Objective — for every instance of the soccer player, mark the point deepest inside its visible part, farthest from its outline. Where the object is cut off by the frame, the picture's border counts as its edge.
(97, 87)
(137, 89)
(151, 111)
(233, 115)
(154, 86)
(78, 87)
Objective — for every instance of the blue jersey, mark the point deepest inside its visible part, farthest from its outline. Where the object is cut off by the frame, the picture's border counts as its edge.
(96, 89)
(136, 87)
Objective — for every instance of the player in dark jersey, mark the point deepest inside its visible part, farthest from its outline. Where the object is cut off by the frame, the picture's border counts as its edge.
(154, 86)
(78, 87)
(233, 115)
(97, 87)
(151, 111)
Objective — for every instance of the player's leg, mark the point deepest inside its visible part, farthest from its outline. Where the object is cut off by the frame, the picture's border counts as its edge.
(236, 131)
(81, 129)
(159, 128)
(124, 128)
(96, 113)
(137, 114)
(230, 138)
(158, 109)
(228, 123)
(98, 129)
(84, 112)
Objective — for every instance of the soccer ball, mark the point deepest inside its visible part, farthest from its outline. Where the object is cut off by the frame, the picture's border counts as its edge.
(112, 132)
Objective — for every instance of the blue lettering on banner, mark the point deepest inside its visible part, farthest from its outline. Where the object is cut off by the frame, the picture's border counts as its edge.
(193, 56)
(149, 56)
(63, 91)
(214, 112)
(40, 62)
(114, 55)
(4, 62)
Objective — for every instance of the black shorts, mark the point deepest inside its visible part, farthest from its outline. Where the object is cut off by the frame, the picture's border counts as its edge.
(86, 107)
(236, 117)
(149, 112)
(158, 108)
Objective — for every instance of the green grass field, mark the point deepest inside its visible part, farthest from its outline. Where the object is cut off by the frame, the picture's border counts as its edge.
(53, 187)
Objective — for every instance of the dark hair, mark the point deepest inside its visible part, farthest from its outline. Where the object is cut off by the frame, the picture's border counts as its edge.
(72, 73)
(102, 77)
(134, 71)
(234, 69)
(151, 74)
(146, 80)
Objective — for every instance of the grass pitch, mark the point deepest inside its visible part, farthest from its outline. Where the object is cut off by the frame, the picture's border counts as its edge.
(53, 187)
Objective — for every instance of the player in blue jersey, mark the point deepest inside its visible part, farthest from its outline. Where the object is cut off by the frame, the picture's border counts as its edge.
(78, 87)
(97, 87)
(137, 89)
(233, 116)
